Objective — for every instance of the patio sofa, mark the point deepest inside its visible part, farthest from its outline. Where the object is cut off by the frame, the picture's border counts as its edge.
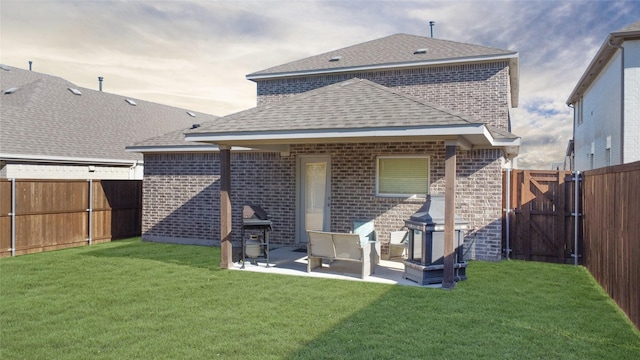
(339, 246)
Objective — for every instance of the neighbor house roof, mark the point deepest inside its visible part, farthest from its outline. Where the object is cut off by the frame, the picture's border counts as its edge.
(353, 110)
(46, 118)
(393, 52)
(174, 142)
(604, 54)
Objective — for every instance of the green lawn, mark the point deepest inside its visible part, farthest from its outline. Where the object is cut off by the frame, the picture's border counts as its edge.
(135, 300)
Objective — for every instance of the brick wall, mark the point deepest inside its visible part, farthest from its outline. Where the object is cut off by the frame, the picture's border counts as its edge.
(478, 199)
(181, 193)
(477, 90)
(180, 198)
(267, 180)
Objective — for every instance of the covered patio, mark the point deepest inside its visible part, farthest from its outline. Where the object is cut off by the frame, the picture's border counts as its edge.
(352, 112)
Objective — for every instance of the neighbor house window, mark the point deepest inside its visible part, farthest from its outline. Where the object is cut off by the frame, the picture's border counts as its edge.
(402, 176)
(578, 112)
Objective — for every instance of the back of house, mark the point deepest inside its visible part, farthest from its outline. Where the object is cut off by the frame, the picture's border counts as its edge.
(354, 134)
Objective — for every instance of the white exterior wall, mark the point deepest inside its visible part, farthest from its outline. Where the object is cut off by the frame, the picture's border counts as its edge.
(35, 171)
(601, 114)
(631, 101)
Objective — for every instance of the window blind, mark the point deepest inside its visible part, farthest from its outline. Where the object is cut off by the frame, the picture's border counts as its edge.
(403, 175)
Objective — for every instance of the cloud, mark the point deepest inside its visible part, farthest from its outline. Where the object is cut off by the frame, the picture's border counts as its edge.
(545, 127)
(195, 54)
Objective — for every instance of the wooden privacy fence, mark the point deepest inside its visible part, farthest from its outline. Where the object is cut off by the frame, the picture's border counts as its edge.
(611, 237)
(41, 215)
(539, 215)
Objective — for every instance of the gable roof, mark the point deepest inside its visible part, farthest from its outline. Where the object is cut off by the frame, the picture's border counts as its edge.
(352, 110)
(351, 104)
(393, 52)
(398, 49)
(41, 119)
(608, 48)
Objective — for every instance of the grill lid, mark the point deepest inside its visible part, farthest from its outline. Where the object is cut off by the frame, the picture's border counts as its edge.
(254, 212)
(253, 216)
(432, 212)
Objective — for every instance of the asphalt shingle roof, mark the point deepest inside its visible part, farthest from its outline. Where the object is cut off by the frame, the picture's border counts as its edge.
(174, 138)
(390, 50)
(630, 28)
(44, 118)
(348, 105)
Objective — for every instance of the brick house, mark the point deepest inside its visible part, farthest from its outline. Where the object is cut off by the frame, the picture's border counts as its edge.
(363, 132)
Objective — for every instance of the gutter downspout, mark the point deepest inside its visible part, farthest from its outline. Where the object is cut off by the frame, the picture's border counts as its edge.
(13, 217)
(576, 218)
(572, 158)
(621, 98)
(508, 213)
(132, 170)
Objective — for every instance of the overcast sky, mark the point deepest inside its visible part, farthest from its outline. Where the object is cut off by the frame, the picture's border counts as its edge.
(195, 54)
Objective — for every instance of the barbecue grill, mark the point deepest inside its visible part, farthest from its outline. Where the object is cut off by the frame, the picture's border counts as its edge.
(425, 261)
(255, 218)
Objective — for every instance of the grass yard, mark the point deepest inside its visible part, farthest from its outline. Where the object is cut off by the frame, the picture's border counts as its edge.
(134, 300)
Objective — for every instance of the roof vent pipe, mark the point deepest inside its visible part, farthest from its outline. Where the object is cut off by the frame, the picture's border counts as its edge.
(30, 63)
(100, 78)
(431, 25)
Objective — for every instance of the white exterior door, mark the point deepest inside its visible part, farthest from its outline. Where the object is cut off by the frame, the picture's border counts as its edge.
(314, 195)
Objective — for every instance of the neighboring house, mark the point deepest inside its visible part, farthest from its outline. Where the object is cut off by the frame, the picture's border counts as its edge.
(53, 129)
(569, 156)
(606, 102)
(357, 133)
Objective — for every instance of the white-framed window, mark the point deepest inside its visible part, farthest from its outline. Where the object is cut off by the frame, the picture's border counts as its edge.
(402, 176)
(578, 113)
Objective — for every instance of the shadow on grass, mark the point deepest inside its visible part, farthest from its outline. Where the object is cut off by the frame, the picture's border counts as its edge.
(559, 312)
(188, 255)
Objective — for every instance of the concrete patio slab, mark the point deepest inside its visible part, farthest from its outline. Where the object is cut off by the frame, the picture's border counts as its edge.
(289, 261)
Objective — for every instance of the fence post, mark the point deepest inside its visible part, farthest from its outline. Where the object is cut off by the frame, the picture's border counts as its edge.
(560, 208)
(13, 217)
(90, 211)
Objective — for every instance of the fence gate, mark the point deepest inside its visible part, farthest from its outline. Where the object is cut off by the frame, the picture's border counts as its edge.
(540, 220)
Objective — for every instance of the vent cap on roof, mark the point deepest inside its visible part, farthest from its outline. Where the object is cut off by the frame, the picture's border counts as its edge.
(191, 114)
(335, 58)
(11, 90)
(421, 51)
(75, 91)
(130, 102)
